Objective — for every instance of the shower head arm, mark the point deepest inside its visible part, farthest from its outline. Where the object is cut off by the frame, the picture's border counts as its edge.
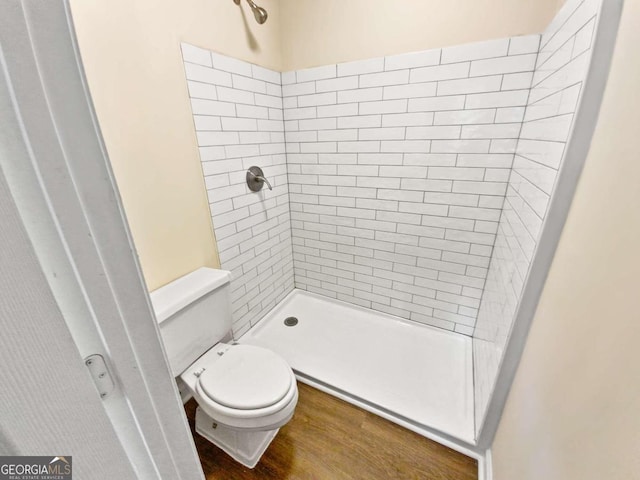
(259, 13)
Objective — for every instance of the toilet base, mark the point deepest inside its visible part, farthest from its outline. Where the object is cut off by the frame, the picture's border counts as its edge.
(245, 447)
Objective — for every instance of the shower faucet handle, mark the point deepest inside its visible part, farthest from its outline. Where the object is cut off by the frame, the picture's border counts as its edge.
(256, 179)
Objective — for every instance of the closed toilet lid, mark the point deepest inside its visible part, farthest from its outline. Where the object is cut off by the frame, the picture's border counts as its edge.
(246, 378)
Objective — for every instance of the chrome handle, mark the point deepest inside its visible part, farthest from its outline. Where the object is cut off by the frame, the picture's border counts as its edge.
(256, 179)
(262, 179)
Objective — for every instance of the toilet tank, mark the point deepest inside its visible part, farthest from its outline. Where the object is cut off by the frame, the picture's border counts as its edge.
(194, 313)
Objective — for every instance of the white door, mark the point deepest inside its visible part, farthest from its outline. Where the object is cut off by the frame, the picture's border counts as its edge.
(70, 282)
(48, 402)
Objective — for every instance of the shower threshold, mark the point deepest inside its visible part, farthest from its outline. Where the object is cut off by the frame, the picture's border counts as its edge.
(415, 375)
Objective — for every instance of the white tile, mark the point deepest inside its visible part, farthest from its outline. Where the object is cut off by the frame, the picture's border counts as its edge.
(407, 172)
(268, 100)
(212, 107)
(440, 72)
(470, 85)
(486, 188)
(425, 185)
(412, 60)
(270, 126)
(316, 73)
(401, 195)
(395, 133)
(460, 146)
(405, 146)
(510, 114)
(513, 98)
(318, 124)
(266, 74)
(380, 159)
(193, 54)
(290, 104)
(229, 64)
(202, 90)
(456, 102)
(464, 117)
(475, 51)
(360, 95)
(359, 146)
(430, 159)
(340, 110)
(456, 173)
(407, 119)
(503, 145)
(299, 113)
(250, 84)
(335, 84)
(524, 44)
(544, 152)
(251, 111)
(235, 150)
(550, 129)
(341, 135)
(363, 121)
(234, 95)
(583, 39)
(308, 136)
(580, 17)
(275, 90)
(360, 67)
(433, 132)
(495, 160)
(413, 90)
(385, 106)
(239, 124)
(505, 130)
(328, 98)
(319, 147)
(385, 78)
(294, 89)
(214, 153)
(517, 81)
(207, 75)
(288, 77)
(513, 64)
(205, 122)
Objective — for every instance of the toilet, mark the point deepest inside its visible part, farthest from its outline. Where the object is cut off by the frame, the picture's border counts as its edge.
(244, 393)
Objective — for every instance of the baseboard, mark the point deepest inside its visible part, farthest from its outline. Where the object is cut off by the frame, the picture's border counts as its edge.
(485, 466)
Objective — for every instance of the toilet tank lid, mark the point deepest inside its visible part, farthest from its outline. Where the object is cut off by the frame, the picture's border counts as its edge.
(176, 295)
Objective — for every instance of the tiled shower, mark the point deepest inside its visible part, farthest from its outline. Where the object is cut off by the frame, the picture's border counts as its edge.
(415, 184)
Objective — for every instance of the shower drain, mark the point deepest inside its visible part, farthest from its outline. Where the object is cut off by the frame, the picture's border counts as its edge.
(291, 321)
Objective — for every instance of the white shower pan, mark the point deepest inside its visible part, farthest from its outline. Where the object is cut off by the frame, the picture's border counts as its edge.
(418, 376)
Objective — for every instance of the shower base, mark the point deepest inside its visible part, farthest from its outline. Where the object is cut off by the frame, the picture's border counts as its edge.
(417, 376)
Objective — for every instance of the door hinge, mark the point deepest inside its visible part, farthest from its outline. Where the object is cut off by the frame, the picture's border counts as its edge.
(100, 374)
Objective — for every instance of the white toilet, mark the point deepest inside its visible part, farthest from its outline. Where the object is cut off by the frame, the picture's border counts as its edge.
(245, 393)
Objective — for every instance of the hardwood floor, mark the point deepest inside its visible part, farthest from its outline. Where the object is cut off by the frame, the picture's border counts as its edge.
(329, 439)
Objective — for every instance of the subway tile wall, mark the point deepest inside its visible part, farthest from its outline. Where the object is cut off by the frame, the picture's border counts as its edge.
(560, 71)
(237, 113)
(398, 168)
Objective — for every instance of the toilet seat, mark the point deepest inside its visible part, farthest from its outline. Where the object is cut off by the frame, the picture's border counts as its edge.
(222, 388)
(246, 378)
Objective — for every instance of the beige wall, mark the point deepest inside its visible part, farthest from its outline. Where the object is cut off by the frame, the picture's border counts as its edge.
(574, 410)
(131, 55)
(331, 31)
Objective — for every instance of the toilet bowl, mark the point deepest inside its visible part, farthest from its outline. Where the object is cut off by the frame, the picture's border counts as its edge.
(244, 387)
(244, 393)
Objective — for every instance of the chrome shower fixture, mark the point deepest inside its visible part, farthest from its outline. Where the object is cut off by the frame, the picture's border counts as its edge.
(258, 12)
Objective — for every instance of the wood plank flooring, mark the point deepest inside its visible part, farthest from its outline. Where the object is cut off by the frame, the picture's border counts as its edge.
(329, 439)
